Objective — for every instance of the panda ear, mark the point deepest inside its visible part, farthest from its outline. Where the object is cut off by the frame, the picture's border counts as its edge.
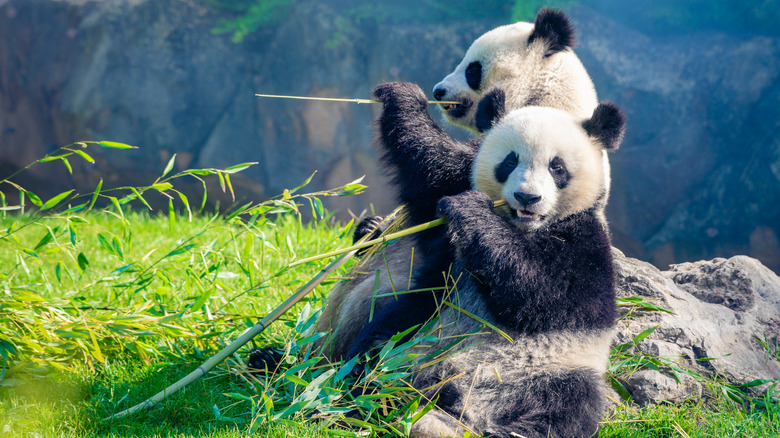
(555, 28)
(608, 124)
(490, 109)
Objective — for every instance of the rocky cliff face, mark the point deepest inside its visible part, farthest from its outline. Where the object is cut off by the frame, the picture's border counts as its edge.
(698, 174)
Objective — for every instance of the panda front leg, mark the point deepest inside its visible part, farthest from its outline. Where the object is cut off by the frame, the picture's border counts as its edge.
(426, 163)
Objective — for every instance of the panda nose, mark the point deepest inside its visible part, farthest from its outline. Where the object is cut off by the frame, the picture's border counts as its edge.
(438, 93)
(527, 199)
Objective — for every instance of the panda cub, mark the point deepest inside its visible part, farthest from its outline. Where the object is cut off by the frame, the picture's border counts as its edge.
(508, 67)
(538, 269)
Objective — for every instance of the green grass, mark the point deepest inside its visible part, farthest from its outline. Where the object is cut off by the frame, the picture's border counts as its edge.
(64, 389)
(102, 308)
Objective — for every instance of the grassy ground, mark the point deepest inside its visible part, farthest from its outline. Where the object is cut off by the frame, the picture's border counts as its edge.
(99, 311)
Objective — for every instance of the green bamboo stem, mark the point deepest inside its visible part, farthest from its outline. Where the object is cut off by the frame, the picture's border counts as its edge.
(239, 342)
(383, 238)
(372, 242)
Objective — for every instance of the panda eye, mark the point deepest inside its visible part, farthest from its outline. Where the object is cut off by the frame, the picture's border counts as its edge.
(474, 75)
(559, 172)
(506, 167)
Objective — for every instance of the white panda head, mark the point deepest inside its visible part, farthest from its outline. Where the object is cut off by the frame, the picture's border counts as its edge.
(532, 62)
(547, 164)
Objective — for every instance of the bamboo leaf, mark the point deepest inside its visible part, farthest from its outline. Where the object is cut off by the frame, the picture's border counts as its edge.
(67, 165)
(169, 166)
(33, 197)
(239, 167)
(186, 204)
(55, 200)
(84, 155)
(640, 337)
(46, 239)
(95, 194)
(115, 145)
(141, 198)
(82, 261)
(304, 184)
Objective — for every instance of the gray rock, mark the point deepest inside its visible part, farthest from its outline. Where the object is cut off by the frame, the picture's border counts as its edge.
(722, 309)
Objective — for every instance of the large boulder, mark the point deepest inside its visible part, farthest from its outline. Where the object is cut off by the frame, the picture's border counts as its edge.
(724, 313)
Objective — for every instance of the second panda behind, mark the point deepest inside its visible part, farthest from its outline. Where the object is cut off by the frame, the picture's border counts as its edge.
(539, 269)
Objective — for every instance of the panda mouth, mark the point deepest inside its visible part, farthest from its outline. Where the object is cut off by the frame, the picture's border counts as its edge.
(527, 216)
(456, 110)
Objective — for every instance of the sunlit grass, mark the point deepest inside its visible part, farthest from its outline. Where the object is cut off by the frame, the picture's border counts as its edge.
(102, 308)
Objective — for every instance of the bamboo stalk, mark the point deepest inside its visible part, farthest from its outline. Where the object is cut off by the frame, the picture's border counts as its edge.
(383, 239)
(337, 99)
(239, 342)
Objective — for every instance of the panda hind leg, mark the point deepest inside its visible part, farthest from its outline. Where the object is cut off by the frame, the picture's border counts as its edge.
(566, 404)
(264, 360)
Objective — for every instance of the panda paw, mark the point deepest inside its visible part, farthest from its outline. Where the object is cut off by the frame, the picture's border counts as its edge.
(264, 360)
(455, 207)
(369, 225)
(463, 210)
(401, 96)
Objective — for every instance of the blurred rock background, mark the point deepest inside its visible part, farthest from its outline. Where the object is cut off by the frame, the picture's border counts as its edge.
(698, 175)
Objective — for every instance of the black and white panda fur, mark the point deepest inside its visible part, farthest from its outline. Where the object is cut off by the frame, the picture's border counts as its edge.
(539, 269)
(532, 62)
(520, 64)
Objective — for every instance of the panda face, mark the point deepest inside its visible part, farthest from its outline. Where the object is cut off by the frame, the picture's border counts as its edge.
(543, 163)
(531, 62)
(482, 65)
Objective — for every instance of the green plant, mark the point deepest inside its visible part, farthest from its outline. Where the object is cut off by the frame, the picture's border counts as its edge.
(251, 15)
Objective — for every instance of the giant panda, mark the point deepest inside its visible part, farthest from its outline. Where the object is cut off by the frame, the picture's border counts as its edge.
(539, 269)
(519, 64)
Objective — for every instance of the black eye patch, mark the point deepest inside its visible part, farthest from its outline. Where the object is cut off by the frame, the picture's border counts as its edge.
(506, 167)
(559, 172)
(474, 75)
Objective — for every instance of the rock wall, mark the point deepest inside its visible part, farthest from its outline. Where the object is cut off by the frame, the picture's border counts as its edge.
(697, 177)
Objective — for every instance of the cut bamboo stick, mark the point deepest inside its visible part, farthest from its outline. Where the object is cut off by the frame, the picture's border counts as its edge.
(338, 99)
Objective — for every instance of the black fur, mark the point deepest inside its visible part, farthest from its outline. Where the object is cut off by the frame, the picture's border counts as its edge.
(474, 75)
(544, 405)
(607, 125)
(262, 360)
(555, 28)
(506, 167)
(559, 172)
(571, 261)
(490, 109)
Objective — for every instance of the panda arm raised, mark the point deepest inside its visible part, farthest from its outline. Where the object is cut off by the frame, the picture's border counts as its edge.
(558, 278)
(425, 162)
